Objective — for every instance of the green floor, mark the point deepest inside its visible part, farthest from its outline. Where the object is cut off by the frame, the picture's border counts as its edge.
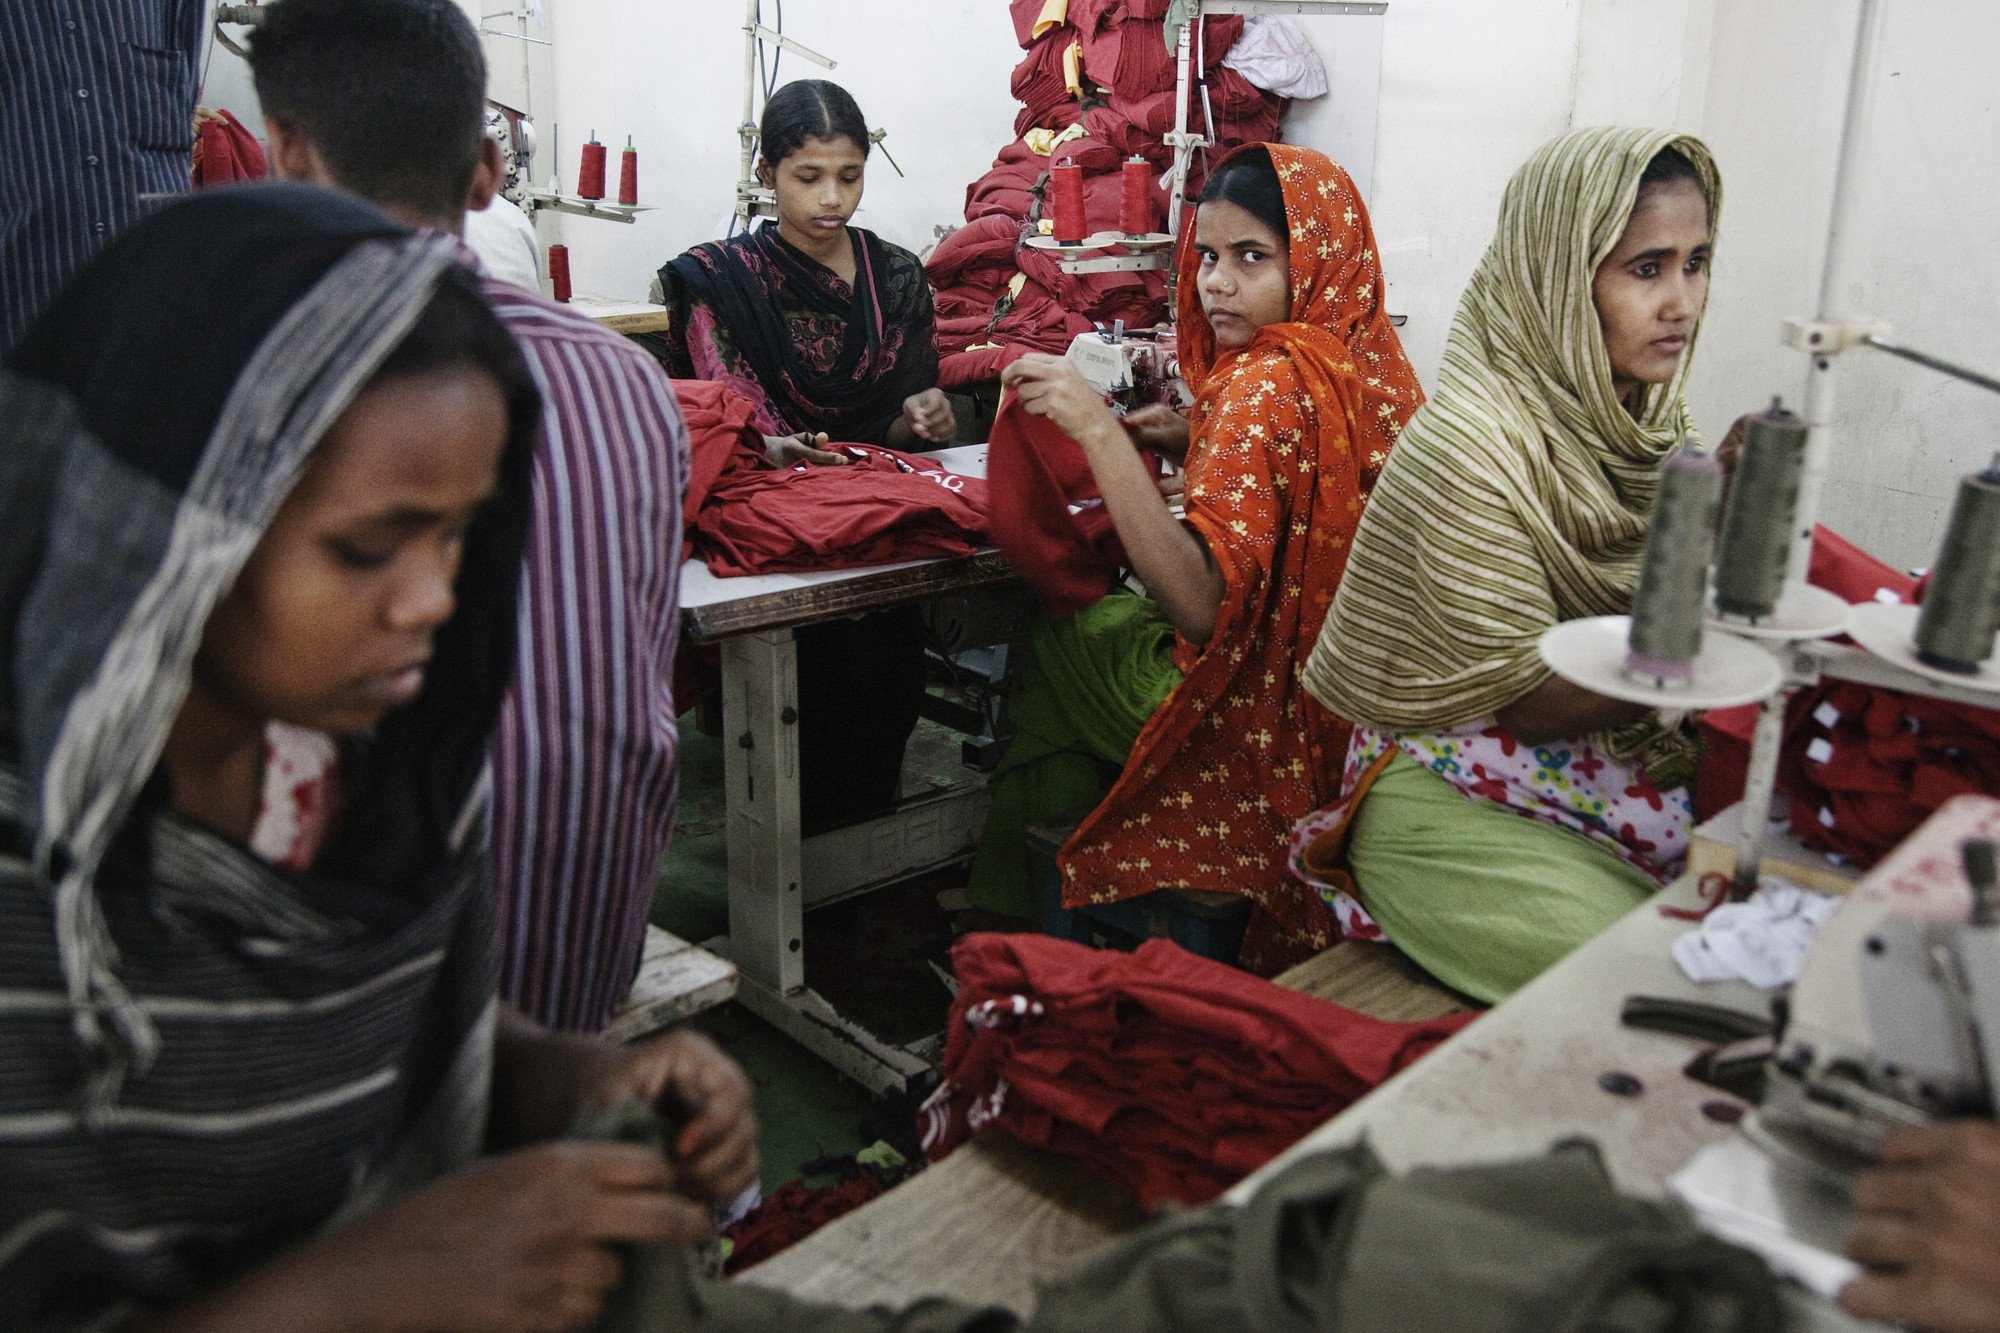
(870, 956)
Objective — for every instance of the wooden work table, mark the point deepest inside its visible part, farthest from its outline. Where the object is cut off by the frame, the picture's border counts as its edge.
(993, 1218)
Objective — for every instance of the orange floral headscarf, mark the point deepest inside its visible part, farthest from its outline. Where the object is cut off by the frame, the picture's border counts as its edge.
(1288, 436)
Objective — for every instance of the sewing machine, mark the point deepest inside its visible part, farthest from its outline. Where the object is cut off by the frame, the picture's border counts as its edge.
(1131, 367)
(1894, 1020)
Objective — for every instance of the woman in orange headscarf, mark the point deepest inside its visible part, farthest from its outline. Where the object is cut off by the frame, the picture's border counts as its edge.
(1301, 388)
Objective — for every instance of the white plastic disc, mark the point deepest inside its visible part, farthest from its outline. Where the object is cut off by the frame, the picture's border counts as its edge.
(1591, 653)
(1890, 632)
(1803, 612)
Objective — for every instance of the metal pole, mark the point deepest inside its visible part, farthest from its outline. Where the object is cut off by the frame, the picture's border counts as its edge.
(1818, 396)
(1183, 150)
(1760, 783)
(746, 132)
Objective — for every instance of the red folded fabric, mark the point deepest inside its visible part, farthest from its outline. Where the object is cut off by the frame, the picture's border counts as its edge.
(1172, 1074)
(744, 516)
(1045, 514)
(224, 151)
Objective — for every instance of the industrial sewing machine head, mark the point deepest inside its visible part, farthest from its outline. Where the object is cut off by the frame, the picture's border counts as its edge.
(1895, 1017)
(1131, 367)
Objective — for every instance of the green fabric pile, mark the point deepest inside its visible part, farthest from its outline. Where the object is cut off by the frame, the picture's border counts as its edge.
(1334, 1244)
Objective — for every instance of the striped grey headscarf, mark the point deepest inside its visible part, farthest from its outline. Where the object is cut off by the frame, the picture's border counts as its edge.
(1519, 496)
(201, 1055)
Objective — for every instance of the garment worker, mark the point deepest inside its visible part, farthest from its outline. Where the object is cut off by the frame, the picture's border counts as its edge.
(263, 508)
(96, 110)
(384, 98)
(1192, 690)
(1496, 816)
(829, 330)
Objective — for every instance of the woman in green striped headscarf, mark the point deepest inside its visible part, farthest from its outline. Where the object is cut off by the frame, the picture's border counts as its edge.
(1519, 497)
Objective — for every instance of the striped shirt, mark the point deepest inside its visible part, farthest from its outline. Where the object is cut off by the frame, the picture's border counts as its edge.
(96, 109)
(586, 757)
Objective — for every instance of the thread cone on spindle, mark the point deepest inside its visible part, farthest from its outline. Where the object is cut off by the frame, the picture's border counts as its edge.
(1962, 604)
(1673, 577)
(1757, 524)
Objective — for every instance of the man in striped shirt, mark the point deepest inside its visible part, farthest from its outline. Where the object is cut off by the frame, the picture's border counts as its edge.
(384, 98)
(96, 109)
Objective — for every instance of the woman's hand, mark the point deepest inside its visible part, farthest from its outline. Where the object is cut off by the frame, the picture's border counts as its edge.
(715, 1153)
(525, 1241)
(929, 416)
(1927, 1227)
(804, 447)
(1050, 386)
(1161, 429)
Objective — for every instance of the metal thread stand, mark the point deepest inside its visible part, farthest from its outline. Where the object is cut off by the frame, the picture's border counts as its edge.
(1823, 340)
(753, 200)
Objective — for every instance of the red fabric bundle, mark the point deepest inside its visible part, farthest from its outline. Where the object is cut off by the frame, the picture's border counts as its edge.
(1044, 513)
(1040, 85)
(746, 517)
(1864, 766)
(1174, 1075)
(1860, 767)
(225, 151)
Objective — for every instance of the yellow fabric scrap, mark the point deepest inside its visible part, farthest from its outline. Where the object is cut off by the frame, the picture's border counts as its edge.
(1053, 13)
(1073, 69)
(1043, 141)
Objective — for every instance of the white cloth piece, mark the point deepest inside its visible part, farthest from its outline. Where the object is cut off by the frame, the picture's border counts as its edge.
(1762, 940)
(503, 238)
(1273, 53)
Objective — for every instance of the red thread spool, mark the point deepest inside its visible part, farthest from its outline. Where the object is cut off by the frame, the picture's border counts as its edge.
(628, 174)
(1135, 200)
(559, 271)
(590, 173)
(1066, 202)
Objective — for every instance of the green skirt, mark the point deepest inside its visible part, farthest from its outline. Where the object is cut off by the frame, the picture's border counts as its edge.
(1090, 683)
(1483, 898)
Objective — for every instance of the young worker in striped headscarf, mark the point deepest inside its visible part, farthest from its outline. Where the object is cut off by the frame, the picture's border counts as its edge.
(1495, 816)
(264, 483)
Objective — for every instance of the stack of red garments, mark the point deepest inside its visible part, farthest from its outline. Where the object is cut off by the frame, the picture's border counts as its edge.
(1860, 767)
(1174, 1075)
(743, 515)
(1123, 99)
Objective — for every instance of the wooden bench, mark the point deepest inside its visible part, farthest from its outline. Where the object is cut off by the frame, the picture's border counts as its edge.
(990, 1220)
(675, 980)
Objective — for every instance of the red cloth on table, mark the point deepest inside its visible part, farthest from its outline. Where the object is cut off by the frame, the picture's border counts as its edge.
(744, 516)
(225, 151)
(1172, 1074)
(1034, 474)
(1859, 767)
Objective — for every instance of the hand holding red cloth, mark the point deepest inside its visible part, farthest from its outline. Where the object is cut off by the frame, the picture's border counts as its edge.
(1174, 1075)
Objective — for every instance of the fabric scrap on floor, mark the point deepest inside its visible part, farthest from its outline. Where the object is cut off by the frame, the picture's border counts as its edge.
(1174, 1075)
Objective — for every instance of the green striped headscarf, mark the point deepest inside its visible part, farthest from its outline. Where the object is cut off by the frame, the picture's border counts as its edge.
(1519, 496)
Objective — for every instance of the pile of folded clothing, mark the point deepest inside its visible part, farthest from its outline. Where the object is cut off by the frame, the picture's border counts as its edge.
(1096, 88)
(1172, 1074)
(745, 515)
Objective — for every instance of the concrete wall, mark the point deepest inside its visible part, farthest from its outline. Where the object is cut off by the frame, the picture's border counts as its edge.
(1467, 89)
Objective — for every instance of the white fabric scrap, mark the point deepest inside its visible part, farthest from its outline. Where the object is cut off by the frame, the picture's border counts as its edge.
(1762, 940)
(1273, 53)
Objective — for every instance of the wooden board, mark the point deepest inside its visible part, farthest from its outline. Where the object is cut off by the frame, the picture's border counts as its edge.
(1376, 979)
(870, 590)
(623, 316)
(982, 1225)
(675, 980)
(1712, 847)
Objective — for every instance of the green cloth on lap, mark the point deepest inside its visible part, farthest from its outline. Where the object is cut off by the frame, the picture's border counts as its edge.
(1091, 682)
(1484, 899)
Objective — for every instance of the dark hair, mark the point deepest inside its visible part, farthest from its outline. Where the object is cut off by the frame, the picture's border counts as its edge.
(458, 330)
(1669, 165)
(391, 92)
(1249, 181)
(809, 109)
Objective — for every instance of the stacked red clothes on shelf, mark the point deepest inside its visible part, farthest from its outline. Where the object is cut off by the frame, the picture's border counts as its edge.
(1102, 72)
(745, 516)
